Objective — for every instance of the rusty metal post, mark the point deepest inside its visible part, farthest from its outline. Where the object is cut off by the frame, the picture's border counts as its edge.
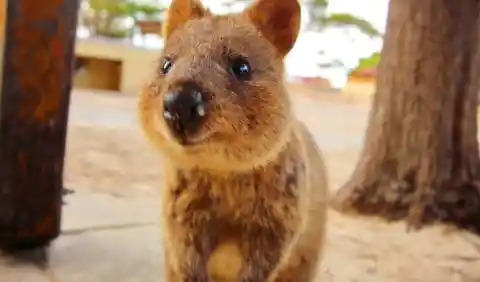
(38, 57)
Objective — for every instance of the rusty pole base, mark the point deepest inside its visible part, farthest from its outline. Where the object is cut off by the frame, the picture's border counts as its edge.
(35, 94)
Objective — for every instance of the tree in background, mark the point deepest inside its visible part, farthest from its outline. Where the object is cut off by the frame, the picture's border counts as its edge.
(321, 20)
(367, 66)
(420, 160)
(112, 18)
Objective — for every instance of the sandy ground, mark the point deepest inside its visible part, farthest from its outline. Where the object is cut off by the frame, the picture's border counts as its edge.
(107, 153)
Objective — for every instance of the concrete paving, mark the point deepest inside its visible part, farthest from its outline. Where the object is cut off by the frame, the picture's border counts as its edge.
(113, 234)
(104, 239)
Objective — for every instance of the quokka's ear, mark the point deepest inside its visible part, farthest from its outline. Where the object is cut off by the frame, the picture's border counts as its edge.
(277, 20)
(179, 12)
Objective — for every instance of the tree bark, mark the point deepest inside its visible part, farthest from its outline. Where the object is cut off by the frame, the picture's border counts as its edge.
(36, 82)
(420, 160)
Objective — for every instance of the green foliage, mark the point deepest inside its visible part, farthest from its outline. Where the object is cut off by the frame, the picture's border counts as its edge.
(371, 61)
(368, 62)
(113, 7)
(149, 10)
(320, 3)
(342, 19)
(124, 7)
(109, 16)
(322, 20)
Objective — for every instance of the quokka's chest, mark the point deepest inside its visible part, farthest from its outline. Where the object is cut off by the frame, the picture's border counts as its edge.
(233, 198)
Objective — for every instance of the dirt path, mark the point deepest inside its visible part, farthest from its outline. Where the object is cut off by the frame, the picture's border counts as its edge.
(107, 153)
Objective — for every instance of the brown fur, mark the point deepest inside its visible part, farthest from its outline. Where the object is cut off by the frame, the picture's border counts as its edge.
(246, 201)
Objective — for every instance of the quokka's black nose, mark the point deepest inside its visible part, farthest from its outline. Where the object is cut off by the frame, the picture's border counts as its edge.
(184, 110)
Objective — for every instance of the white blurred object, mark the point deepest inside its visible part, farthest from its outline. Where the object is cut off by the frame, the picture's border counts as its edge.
(338, 78)
(83, 32)
(329, 54)
(149, 41)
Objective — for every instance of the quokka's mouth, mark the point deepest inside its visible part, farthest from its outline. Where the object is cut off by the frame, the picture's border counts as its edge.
(193, 141)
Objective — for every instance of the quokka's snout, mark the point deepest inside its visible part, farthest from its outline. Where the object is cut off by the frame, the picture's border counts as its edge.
(184, 110)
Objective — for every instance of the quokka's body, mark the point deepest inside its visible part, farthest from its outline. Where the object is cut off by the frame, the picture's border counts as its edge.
(245, 192)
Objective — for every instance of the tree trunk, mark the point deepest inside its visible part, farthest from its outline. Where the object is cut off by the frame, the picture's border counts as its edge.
(420, 160)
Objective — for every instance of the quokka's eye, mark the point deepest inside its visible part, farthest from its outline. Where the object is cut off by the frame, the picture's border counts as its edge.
(240, 68)
(166, 66)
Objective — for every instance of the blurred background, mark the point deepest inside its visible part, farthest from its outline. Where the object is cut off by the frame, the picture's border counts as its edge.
(338, 47)
(110, 224)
